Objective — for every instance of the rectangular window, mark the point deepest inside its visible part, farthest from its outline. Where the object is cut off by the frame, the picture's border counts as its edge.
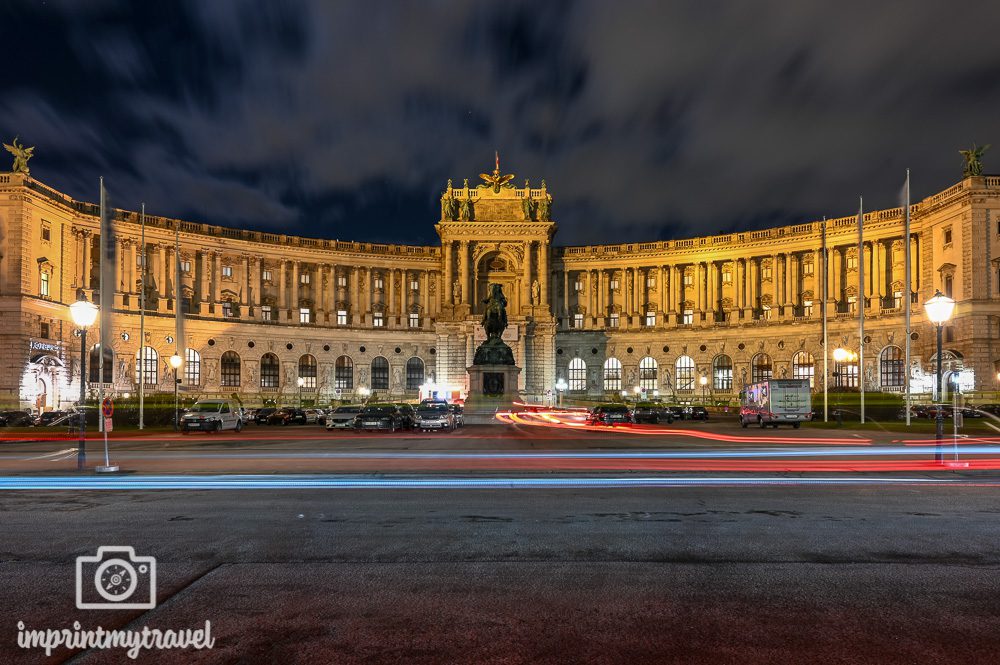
(613, 320)
(46, 234)
(305, 315)
(342, 281)
(414, 285)
(377, 320)
(414, 320)
(807, 268)
(852, 262)
(650, 319)
(727, 278)
(45, 331)
(807, 307)
(266, 313)
(897, 299)
(578, 286)
(43, 285)
(304, 278)
(947, 236)
(227, 310)
(688, 280)
(852, 304)
(688, 317)
(765, 273)
(186, 267)
(266, 275)
(341, 317)
(578, 320)
(650, 282)
(378, 283)
(614, 284)
(227, 272)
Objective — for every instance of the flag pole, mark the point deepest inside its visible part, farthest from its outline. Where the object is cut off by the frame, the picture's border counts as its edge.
(103, 319)
(861, 305)
(906, 270)
(142, 315)
(826, 372)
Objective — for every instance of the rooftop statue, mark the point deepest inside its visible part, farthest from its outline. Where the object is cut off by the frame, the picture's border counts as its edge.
(973, 163)
(494, 351)
(21, 156)
(495, 180)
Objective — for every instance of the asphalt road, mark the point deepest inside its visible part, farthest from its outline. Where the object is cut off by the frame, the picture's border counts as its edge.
(848, 574)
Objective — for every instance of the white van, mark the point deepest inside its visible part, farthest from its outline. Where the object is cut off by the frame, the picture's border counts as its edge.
(211, 415)
(775, 402)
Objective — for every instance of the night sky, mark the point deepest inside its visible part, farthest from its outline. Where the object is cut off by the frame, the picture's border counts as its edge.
(647, 120)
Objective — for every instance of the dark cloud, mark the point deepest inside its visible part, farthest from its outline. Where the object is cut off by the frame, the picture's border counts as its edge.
(647, 120)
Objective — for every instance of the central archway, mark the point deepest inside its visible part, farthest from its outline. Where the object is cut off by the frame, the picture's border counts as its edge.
(497, 268)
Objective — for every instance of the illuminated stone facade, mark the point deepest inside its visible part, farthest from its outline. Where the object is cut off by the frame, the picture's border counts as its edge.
(264, 309)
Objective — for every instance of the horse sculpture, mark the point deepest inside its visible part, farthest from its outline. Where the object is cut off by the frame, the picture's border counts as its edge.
(494, 351)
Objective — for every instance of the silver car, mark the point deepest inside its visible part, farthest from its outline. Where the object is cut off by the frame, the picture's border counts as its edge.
(342, 417)
(434, 417)
(211, 415)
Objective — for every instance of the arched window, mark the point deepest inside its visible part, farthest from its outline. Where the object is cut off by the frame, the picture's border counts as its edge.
(230, 369)
(343, 373)
(380, 373)
(270, 371)
(760, 368)
(647, 373)
(804, 367)
(613, 374)
(94, 368)
(307, 371)
(147, 357)
(684, 371)
(192, 368)
(414, 373)
(577, 374)
(845, 374)
(892, 367)
(722, 373)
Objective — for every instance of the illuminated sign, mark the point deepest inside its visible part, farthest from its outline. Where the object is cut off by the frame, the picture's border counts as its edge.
(43, 346)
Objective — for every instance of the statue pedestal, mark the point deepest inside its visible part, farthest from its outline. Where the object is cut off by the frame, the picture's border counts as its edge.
(492, 388)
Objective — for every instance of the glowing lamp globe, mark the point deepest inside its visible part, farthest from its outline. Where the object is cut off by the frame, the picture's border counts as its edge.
(841, 355)
(300, 381)
(84, 313)
(939, 308)
(703, 380)
(176, 361)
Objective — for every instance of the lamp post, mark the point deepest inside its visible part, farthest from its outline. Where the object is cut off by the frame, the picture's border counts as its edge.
(561, 387)
(703, 380)
(175, 362)
(83, 313)
(300, 382)
(364, 393)
(939, 309)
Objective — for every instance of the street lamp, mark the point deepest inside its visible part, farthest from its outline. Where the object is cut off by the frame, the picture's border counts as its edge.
(939, 309)
(703, 380)
(561, 387)
(83, 313)
(301, 382)
(364, 392)
(175, 362)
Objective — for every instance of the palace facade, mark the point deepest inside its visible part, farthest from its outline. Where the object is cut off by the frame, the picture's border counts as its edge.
(693, 318)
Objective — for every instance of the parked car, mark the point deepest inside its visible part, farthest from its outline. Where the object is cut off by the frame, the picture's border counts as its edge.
(321, 416)
(380, 417)
(261, 415)
(696, 413)
(46, 419)
(312, 416)
(652, 412)
(609, 414)
(676, 411)
(287, 416)
(431, 401)
(992, 409)
(342, 417)
(211, 415)
(408, 414)
(434, 416)
(15, 419)
(932, 410)
(458, 411)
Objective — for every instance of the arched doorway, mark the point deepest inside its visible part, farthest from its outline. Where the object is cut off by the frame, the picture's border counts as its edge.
(41, 380)
(497, 268)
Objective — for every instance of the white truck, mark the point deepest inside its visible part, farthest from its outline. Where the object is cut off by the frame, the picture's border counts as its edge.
(776, 401)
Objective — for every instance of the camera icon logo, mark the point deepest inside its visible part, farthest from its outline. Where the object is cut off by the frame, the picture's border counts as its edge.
(115, 579)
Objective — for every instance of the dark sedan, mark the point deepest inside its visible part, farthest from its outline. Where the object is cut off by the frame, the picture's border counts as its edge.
(651, 412)
(287, 416)
(261, 416)
(408, 414)
(609, 414)
(15, 419)
(380, 417)
(46, 419)
(696, 413)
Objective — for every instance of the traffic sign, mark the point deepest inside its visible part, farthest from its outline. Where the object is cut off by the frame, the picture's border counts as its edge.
(108, 425)
(107, 407)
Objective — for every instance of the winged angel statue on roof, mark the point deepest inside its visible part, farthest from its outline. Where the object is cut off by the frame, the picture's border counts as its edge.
(21, 156)
(495, 180)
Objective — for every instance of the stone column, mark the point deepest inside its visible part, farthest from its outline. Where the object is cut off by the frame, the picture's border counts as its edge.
(404, 300)
(795, 294)
(425, 291)
(256, 284)
(565, 306)
(161, 271)
(878, 279)
(217, 278)
(526, 278)
(915, 264)
(368, 291)
(354, 277)
(449, 275)
(838, 274)
(130, 266)
(543, 271)
(282, 288)
(463, 264)
(293, 306)
(88, 246)
(390, 301)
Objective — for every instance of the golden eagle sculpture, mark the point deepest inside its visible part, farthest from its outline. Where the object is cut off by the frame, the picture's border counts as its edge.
(495, 180)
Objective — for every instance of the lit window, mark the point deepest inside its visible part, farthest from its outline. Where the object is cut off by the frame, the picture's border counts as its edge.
(807, 268)
(947, 236)
(807, 307)
(852, 303)
(612, 374)
(414, 320)
(269, 371)
(342, 281)
(192, 368)
(185, 267)
(688, 280)
(304, 278)
(727, 277)
(803, 367)
(684, 372)
(343, 374)
(140, 258)
(377, 320)
(266, 313)
(614, 284)
(852, 262)
(578, 286)
(46, 234)
(577, 375)
(647, 373)
(765, 273)
(227, 272)
(722, 373)
(688, 317)
(341, 317)
(43, 286)
(230, 369)
(760, 368)
(892, 367)
(897, 299)
(650, 319)
(414, 285)
(266, 275)
(650, 282)
(307, 371)
(305, 315)
(578, 320)
(613, 320)
(227, 309)
(378, 283)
